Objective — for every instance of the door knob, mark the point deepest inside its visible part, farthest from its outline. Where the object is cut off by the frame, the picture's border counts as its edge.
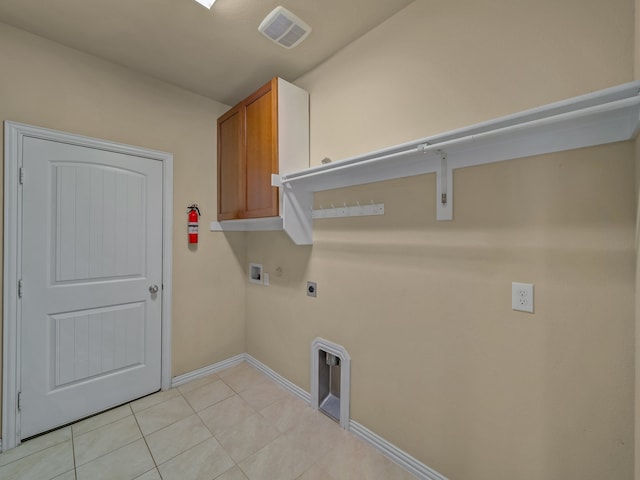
(153, 289)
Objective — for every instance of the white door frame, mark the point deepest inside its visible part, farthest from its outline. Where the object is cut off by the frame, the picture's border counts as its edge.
(11, 343)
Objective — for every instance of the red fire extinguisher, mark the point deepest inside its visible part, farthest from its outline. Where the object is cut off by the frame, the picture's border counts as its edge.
(192, 227)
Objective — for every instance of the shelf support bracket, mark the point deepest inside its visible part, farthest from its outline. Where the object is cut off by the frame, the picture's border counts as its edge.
(444, 188)
(297, 211)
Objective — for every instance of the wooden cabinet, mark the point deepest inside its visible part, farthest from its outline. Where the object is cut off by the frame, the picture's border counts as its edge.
(266, 133)
(230, 171)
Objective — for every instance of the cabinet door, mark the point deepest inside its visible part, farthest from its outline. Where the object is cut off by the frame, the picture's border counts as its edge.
(261, 152)
(230, 165)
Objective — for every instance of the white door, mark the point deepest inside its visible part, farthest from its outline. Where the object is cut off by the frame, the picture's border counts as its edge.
(91, 258)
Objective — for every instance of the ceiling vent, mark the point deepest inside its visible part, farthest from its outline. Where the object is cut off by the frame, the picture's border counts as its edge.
(284, 28)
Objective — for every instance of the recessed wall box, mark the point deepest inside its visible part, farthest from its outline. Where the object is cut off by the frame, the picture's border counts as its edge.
(330, 380)
(255, 273)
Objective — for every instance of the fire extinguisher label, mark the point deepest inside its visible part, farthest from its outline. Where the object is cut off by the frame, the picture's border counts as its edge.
(192, 228)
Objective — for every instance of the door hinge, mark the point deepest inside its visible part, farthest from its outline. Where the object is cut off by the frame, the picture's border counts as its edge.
(21, 175)
(19, 401)
(19, 288)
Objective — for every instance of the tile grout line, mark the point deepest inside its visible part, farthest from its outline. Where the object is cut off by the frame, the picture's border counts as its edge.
(73, 452)
(107, 453)
(197, 413)
(155, 404)
(78, 422)
(157, 467)
(43, 449)
(257, 412)
(144, 437)
(209, 382)
(184, 451)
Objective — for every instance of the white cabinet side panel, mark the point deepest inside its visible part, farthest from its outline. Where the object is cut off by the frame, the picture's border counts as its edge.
(293, 127)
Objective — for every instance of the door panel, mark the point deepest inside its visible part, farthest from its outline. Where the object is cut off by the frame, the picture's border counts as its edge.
(91, 343)
(98, 223)
(92, 246)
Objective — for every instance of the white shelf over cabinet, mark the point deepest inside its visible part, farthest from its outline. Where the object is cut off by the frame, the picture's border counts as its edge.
(606, 116)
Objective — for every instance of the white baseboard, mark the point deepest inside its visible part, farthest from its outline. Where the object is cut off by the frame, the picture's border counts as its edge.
(400, 457)
(392, 452)
(279, 379)
(204, 371)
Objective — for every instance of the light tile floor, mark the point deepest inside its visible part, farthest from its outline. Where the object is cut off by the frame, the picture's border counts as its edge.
(233, 425)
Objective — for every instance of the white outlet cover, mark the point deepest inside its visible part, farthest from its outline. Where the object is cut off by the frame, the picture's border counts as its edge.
(522, 297)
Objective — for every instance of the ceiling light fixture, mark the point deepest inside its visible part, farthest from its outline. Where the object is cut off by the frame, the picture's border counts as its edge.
(206, 3)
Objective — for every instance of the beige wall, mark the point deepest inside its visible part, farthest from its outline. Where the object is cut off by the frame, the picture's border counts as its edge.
(443, 64)
(48, 85)
(441, 365)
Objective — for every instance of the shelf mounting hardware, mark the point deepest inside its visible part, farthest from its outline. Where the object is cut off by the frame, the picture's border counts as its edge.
(443, 172)
(443, 177)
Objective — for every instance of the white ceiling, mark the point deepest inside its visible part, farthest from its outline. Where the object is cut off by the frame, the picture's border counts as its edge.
(218, 53)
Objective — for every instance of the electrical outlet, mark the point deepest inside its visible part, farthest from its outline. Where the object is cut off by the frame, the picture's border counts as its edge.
(522, 297)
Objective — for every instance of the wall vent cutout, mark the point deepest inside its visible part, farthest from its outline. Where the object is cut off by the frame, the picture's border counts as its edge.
(284, 28)
(331, 380)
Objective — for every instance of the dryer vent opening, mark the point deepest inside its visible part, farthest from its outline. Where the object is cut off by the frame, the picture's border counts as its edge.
(329, 384)
(330, 380)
